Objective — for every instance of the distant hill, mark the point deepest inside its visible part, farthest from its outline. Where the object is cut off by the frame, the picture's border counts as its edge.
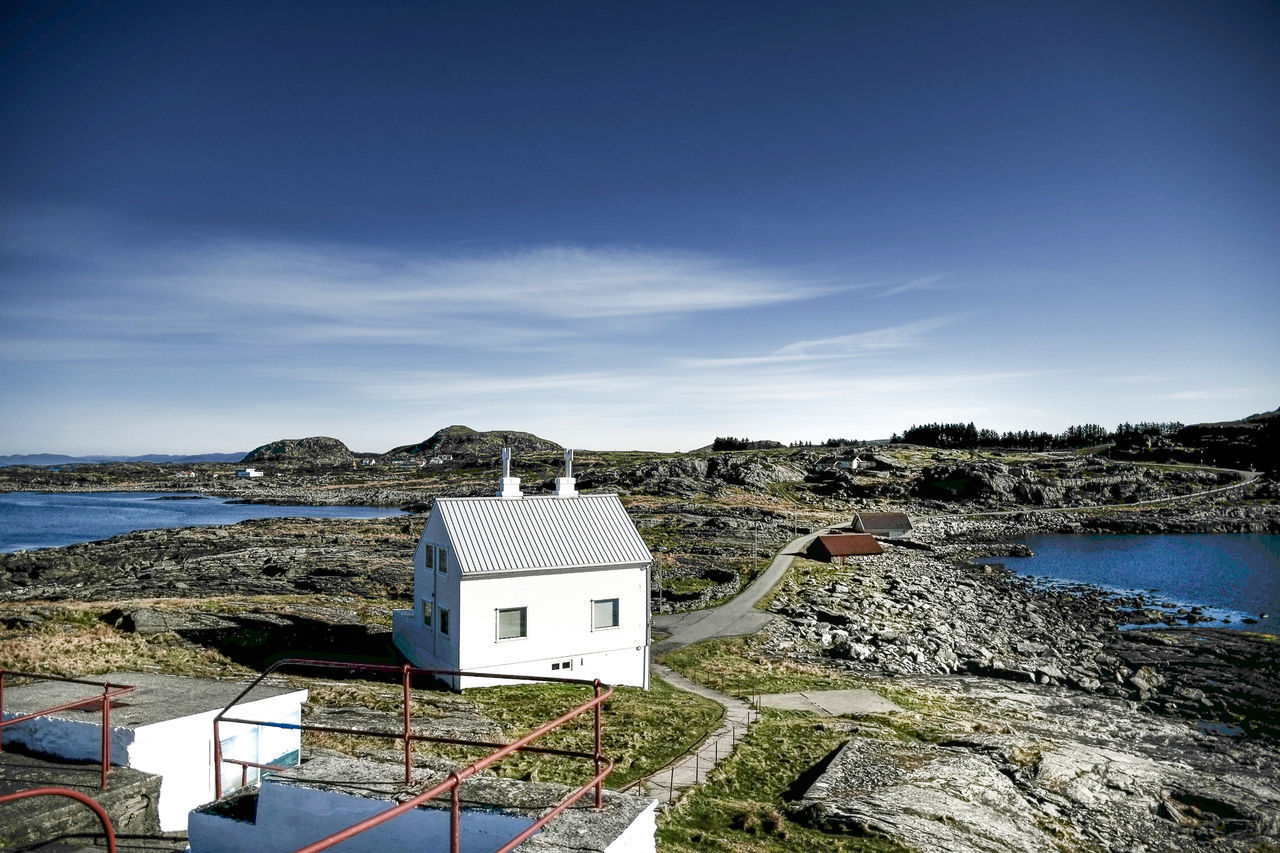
(158, 458)
(1253, 441)
(462, 439)
(316, 450)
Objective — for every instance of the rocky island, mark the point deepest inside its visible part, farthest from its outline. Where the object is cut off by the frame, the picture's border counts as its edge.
(1025, 719)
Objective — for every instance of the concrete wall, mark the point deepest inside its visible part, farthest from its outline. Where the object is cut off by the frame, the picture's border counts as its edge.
(180, 750)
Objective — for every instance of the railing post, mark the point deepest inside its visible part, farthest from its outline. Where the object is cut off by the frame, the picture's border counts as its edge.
(455, 814)
(697, 767)
(408, 743)
(217, 761)
(599, 744)
(106, 733)
(1, 710)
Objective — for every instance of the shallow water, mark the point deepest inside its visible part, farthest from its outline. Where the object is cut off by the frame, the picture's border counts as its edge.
(1233, 575)
(44, 520)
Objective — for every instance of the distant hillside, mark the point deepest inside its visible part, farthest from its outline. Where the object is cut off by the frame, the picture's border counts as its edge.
(317, 450)
(158, 458)
(1249, 442)
(461, 439)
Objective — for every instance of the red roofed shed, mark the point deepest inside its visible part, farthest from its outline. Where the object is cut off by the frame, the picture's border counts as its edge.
(836, 546)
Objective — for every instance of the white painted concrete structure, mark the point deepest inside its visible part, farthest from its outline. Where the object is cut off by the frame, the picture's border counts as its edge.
(164, 727)
(249, 472)
(553, 585)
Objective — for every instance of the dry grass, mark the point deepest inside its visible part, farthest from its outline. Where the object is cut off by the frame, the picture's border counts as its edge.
(67, 649)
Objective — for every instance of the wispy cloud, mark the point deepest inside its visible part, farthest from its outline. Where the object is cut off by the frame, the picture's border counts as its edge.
(928, 282)
(103, 283)
(904, 336)
(1211, 394)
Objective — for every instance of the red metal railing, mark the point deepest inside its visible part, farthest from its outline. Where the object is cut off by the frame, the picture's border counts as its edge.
(109, 692)
(75, 795)
(603, 766)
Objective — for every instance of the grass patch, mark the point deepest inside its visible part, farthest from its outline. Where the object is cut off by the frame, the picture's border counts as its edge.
(735, 666)
(65, 648)
(643, 731)
(685, 585)
(742, 807)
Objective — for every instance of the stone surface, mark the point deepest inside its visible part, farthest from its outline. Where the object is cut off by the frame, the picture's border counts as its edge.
(1028, 768)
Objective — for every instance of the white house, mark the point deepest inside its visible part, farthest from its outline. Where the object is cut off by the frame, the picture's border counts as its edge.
(249, 472)
(548, 585)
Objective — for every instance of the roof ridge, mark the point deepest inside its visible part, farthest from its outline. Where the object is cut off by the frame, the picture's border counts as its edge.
(525, 497)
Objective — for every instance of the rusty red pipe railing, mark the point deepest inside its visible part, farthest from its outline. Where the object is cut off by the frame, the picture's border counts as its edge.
(456, 779)
(78, 797)
(405, 672)
(452, 784)
(109, 692)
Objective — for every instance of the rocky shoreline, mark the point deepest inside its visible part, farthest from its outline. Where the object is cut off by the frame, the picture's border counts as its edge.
(1029, 721)
(925, 608)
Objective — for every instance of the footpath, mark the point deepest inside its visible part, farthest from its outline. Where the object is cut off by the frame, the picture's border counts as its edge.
(670, 783)
(735, 618)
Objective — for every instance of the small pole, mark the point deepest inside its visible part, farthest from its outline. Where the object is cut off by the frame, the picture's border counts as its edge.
(697, 767)
(106, 733)
(599, 744)
(217, 760)
(1, 710)
(455, 815)
(408, 743)
(717, 750)
(671, 788)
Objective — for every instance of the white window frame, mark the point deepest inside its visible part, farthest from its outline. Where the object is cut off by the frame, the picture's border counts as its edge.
(497, 623)
(617, 614)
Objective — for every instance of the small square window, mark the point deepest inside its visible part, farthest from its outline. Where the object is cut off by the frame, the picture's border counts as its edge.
(555, 666)
(426, 612)
(567, 665)
(513, 623)
(604, 613)
(444, 621)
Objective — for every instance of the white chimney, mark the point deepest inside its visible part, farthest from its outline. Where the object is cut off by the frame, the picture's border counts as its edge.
(565, 485)
(508, 486)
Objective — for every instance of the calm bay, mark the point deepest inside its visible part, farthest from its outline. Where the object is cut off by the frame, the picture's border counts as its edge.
(45, 520)
(1234, 576)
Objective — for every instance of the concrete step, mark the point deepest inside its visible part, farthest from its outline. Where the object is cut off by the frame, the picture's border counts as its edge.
(37, 822)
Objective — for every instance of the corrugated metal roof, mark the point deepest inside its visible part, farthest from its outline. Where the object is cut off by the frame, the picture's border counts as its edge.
(881, 521)
(525, 534)
(850, 544)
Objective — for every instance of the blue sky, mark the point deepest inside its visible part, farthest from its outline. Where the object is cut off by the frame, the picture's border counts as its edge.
(631, 224)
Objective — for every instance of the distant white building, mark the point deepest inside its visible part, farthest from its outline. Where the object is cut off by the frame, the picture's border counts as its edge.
(549, 585)
(249, 472)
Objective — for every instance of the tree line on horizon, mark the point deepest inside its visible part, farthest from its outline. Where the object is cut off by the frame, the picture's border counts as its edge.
(966, 436)
(960, 435)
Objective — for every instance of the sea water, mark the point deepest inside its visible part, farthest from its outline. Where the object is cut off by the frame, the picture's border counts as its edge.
(1234, 576)
(44, 520)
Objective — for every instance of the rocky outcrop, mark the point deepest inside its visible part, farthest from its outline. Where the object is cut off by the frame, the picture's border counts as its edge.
(317, 451)
(697, 475)
(261, 557)
(983, 767)
(464, 440)
(1071, 481)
